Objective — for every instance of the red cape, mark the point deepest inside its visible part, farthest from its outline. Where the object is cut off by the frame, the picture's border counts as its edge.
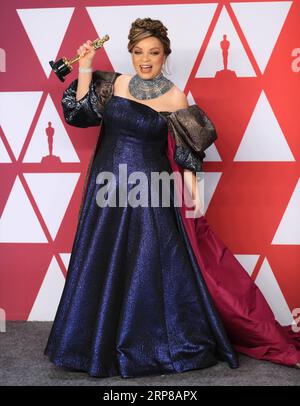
(246, 315)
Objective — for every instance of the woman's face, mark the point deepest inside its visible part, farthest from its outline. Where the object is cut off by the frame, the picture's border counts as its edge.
(148, 52)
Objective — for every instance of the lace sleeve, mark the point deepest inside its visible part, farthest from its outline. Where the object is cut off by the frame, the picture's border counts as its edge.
(87, 111)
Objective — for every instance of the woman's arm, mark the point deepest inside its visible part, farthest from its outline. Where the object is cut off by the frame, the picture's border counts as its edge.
(190, 180)
(80, 101)
(87, 53)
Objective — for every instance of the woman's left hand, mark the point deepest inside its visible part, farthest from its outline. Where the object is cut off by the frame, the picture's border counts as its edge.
(191, 183)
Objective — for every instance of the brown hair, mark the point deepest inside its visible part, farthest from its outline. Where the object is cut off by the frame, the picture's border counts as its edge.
(146, 27)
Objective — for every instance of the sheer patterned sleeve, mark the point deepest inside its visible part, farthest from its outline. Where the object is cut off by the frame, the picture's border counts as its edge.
(87, 111)
(194, 132)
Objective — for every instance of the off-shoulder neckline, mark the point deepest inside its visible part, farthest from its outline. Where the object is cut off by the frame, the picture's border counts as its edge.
(150, 108)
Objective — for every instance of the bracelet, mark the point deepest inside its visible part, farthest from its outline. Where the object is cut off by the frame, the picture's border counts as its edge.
(85, 70)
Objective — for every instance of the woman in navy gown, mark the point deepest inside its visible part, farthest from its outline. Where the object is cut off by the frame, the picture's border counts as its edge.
(136, 301)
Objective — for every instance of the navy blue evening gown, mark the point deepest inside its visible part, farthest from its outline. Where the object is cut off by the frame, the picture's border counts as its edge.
(134, 302)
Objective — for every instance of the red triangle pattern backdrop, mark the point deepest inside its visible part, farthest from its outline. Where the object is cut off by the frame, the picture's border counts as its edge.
(239, 61)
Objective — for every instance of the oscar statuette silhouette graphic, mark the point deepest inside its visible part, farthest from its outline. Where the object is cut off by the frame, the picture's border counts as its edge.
(225, 73)
(50, 159)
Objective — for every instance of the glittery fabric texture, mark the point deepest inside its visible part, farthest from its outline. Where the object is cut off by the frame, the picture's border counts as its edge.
(134, 302)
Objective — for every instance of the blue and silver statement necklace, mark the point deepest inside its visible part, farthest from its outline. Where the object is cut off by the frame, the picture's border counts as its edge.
(144, 89)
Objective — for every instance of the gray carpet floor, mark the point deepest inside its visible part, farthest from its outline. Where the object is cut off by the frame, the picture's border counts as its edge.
(22, 363)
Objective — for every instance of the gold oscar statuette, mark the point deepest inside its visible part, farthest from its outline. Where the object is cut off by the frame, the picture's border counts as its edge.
(63, 66)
